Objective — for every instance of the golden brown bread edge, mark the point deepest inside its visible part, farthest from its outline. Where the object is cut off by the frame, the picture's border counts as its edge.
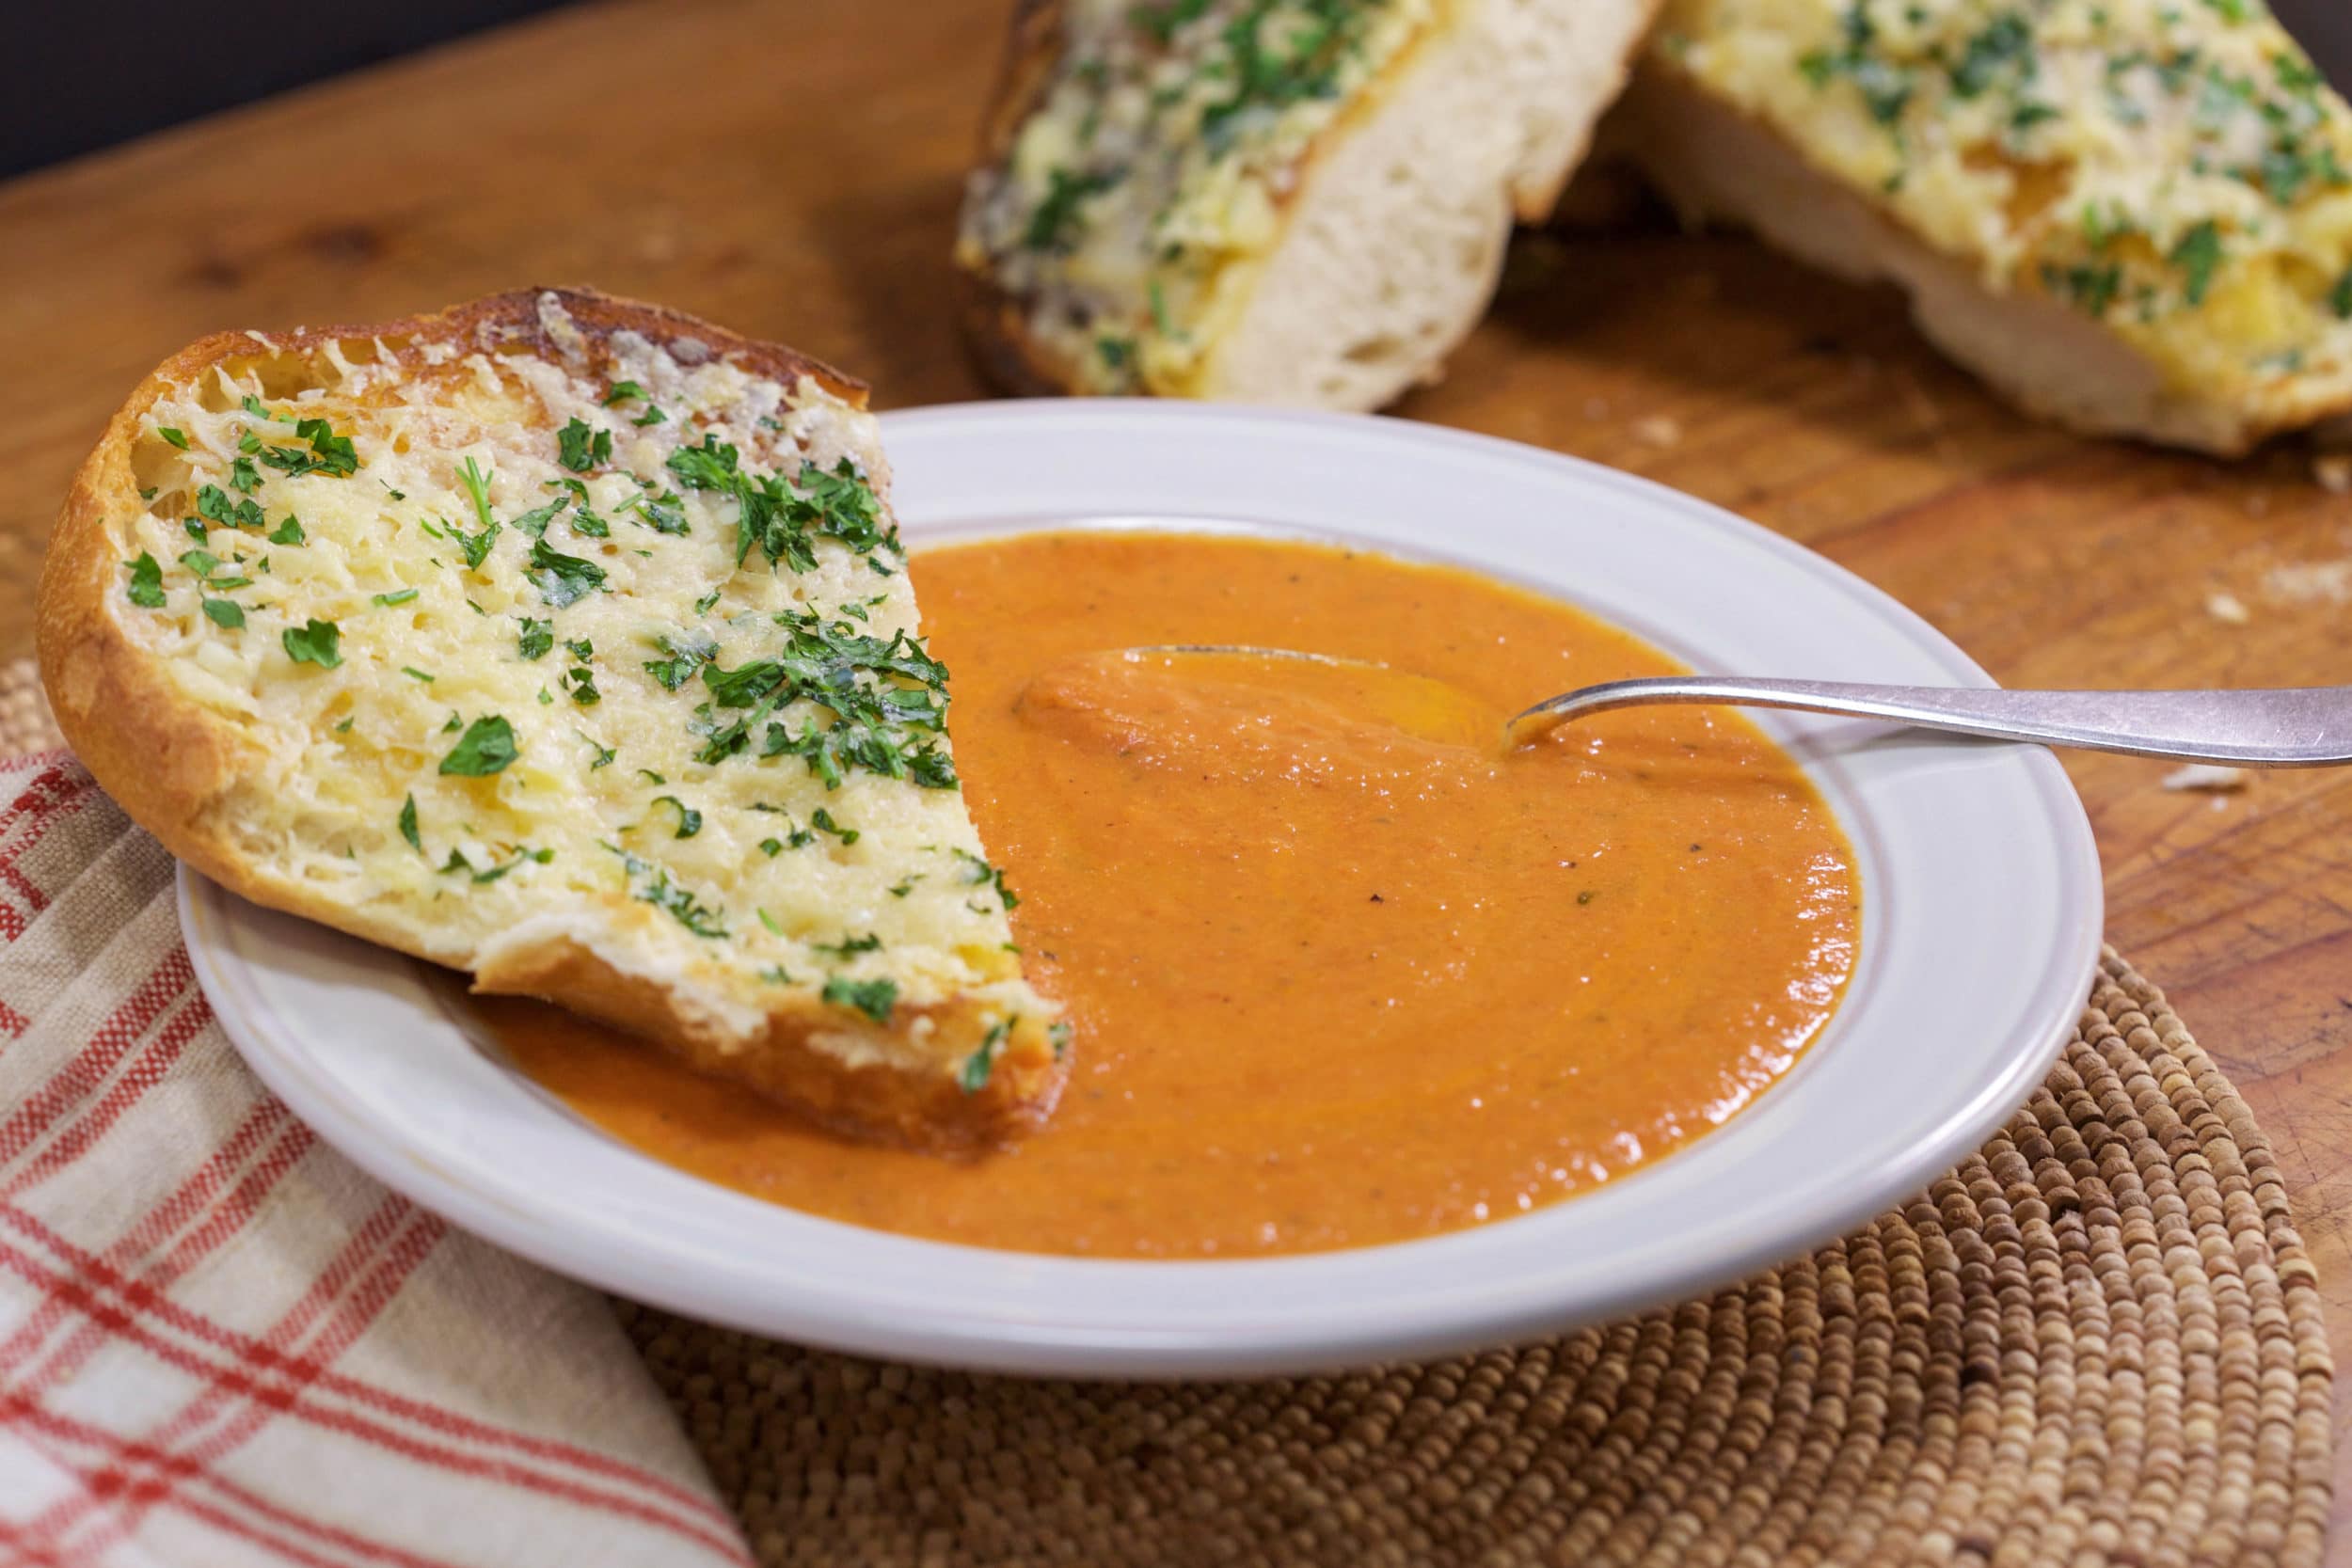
(995, 325)
(163, 759)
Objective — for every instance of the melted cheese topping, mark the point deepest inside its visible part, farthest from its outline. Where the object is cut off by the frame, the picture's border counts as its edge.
(1147, 185)
(2175, 169)
(385, 638)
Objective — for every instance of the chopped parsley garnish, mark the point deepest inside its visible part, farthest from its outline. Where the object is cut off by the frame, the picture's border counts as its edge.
(689, 650)
(977, 872)
(662, 514)
(399, 597)
(772, 847)
(628, 392)
(314, 641)
(581, 682)
(486, 748)
(521, 853)
(888, 699)
(978, 1066)
(651, 884)
(2091, 288)
(329, 454)
(243, 476)
(225, 612)
(1303, 64)
(1054, 225)
(147, 581)
(415, 674)
(849, 946)
(177, 438)
(289, 532)
(254, 406)
(213, 504)
(2340, 297)
(581, 446)
(562, 578)
(474, 547)
(783, 517)
(690, 821)
(874, 998)
(2197, 255)
(478, 490)
(536, 638)
(1162, 21)
(534, 522)
(603, 753)
(2005, 45)
(409, 824)
(823, 821)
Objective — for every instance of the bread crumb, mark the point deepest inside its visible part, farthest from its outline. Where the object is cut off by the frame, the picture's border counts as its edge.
(2334, 473)
(1658, 431)
(2228, 607)
(2207, 777)
(2311, 581)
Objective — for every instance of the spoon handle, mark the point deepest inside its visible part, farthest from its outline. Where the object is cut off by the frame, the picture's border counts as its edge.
(2291, 727)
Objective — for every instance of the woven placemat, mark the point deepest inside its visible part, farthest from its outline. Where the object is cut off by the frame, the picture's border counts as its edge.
(2097, 1341)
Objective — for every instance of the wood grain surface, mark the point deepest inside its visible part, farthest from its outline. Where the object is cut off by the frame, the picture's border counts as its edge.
(793, 168)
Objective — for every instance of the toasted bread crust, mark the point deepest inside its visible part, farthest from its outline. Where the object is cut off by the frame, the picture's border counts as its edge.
(164, 759)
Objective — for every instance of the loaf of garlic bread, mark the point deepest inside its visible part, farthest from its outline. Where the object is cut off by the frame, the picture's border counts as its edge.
(2131, 216)
(567, 641)
(1290, 202)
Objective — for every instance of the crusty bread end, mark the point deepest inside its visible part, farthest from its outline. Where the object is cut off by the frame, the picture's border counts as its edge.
(1718, 165)
(1374, 222)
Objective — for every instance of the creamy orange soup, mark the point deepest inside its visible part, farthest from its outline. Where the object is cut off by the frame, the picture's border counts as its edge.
(1342, 972)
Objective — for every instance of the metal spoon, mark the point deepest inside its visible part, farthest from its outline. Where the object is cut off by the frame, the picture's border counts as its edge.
(2280, 727)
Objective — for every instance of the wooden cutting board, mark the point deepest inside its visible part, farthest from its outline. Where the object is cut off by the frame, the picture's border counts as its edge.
(793, 168)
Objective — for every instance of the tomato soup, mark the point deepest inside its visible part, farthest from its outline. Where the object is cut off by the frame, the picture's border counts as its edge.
(1342, 971)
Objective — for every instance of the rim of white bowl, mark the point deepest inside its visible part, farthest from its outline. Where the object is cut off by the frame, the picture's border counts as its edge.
(987, 467)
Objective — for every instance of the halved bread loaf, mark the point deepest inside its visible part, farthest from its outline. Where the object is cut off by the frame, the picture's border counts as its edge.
(565, 641)
(2131, 216)
(1290, 202)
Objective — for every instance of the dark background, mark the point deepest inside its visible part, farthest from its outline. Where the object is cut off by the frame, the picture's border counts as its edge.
(79, 77)
(82, 75)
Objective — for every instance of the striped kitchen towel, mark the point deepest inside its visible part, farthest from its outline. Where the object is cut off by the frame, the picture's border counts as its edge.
(220, 1343)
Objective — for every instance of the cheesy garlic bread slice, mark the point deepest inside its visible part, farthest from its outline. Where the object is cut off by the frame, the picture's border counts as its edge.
(2131, 216)
(1291, 201)
(569, 642)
